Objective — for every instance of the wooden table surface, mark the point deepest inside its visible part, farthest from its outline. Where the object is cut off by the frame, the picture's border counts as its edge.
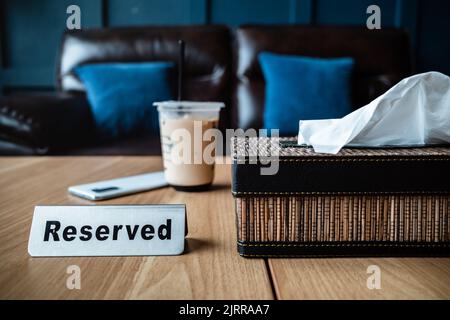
(211, 268)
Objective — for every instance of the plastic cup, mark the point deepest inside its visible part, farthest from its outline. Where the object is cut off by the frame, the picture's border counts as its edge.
(187, 165)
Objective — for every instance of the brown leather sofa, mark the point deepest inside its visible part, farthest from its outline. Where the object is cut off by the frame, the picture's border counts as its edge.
(221, 65)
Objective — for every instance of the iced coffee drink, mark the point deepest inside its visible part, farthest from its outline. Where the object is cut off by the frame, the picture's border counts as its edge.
(188, 156)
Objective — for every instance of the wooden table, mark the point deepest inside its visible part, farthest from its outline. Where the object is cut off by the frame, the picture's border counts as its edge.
(211, 269)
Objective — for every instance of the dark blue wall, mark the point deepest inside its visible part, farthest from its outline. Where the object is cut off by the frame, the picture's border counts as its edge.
(31, 30)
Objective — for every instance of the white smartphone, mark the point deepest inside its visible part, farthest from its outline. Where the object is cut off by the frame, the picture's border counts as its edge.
(108, 189)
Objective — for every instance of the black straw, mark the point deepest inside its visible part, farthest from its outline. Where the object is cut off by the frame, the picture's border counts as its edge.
(180, 68)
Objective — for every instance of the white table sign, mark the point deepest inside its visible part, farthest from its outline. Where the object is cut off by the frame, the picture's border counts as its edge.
(110, 230)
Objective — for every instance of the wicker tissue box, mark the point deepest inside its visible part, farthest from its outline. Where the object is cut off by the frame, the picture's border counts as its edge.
(360, 202)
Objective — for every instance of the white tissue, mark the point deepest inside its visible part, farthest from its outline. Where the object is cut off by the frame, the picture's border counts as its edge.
(416, 111)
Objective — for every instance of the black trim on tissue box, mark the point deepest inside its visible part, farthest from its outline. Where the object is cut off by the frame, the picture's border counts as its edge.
(346, 175)
(342, 249)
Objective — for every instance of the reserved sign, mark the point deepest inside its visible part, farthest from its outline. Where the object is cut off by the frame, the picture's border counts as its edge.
(111, 230)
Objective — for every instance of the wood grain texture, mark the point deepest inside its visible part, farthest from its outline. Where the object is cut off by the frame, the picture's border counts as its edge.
(343, 278)
(211, 269)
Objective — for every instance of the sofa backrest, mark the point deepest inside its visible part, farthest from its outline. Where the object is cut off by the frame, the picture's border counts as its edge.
(207, 75)
(215, 73)
(382, 59)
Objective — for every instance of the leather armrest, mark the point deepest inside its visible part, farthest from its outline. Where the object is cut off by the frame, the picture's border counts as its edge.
(45, 122)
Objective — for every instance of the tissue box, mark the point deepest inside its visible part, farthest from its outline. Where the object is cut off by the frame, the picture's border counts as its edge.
(360, 202)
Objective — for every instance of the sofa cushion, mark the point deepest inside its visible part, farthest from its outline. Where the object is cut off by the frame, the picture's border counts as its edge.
(303, 88)
(207, 72)
(382, 58)
(122, 95)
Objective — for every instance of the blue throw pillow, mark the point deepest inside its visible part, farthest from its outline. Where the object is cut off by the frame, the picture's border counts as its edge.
(303, 88)
(122, 95)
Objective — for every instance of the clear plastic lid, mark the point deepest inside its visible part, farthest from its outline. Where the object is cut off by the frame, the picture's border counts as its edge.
(192, 106)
